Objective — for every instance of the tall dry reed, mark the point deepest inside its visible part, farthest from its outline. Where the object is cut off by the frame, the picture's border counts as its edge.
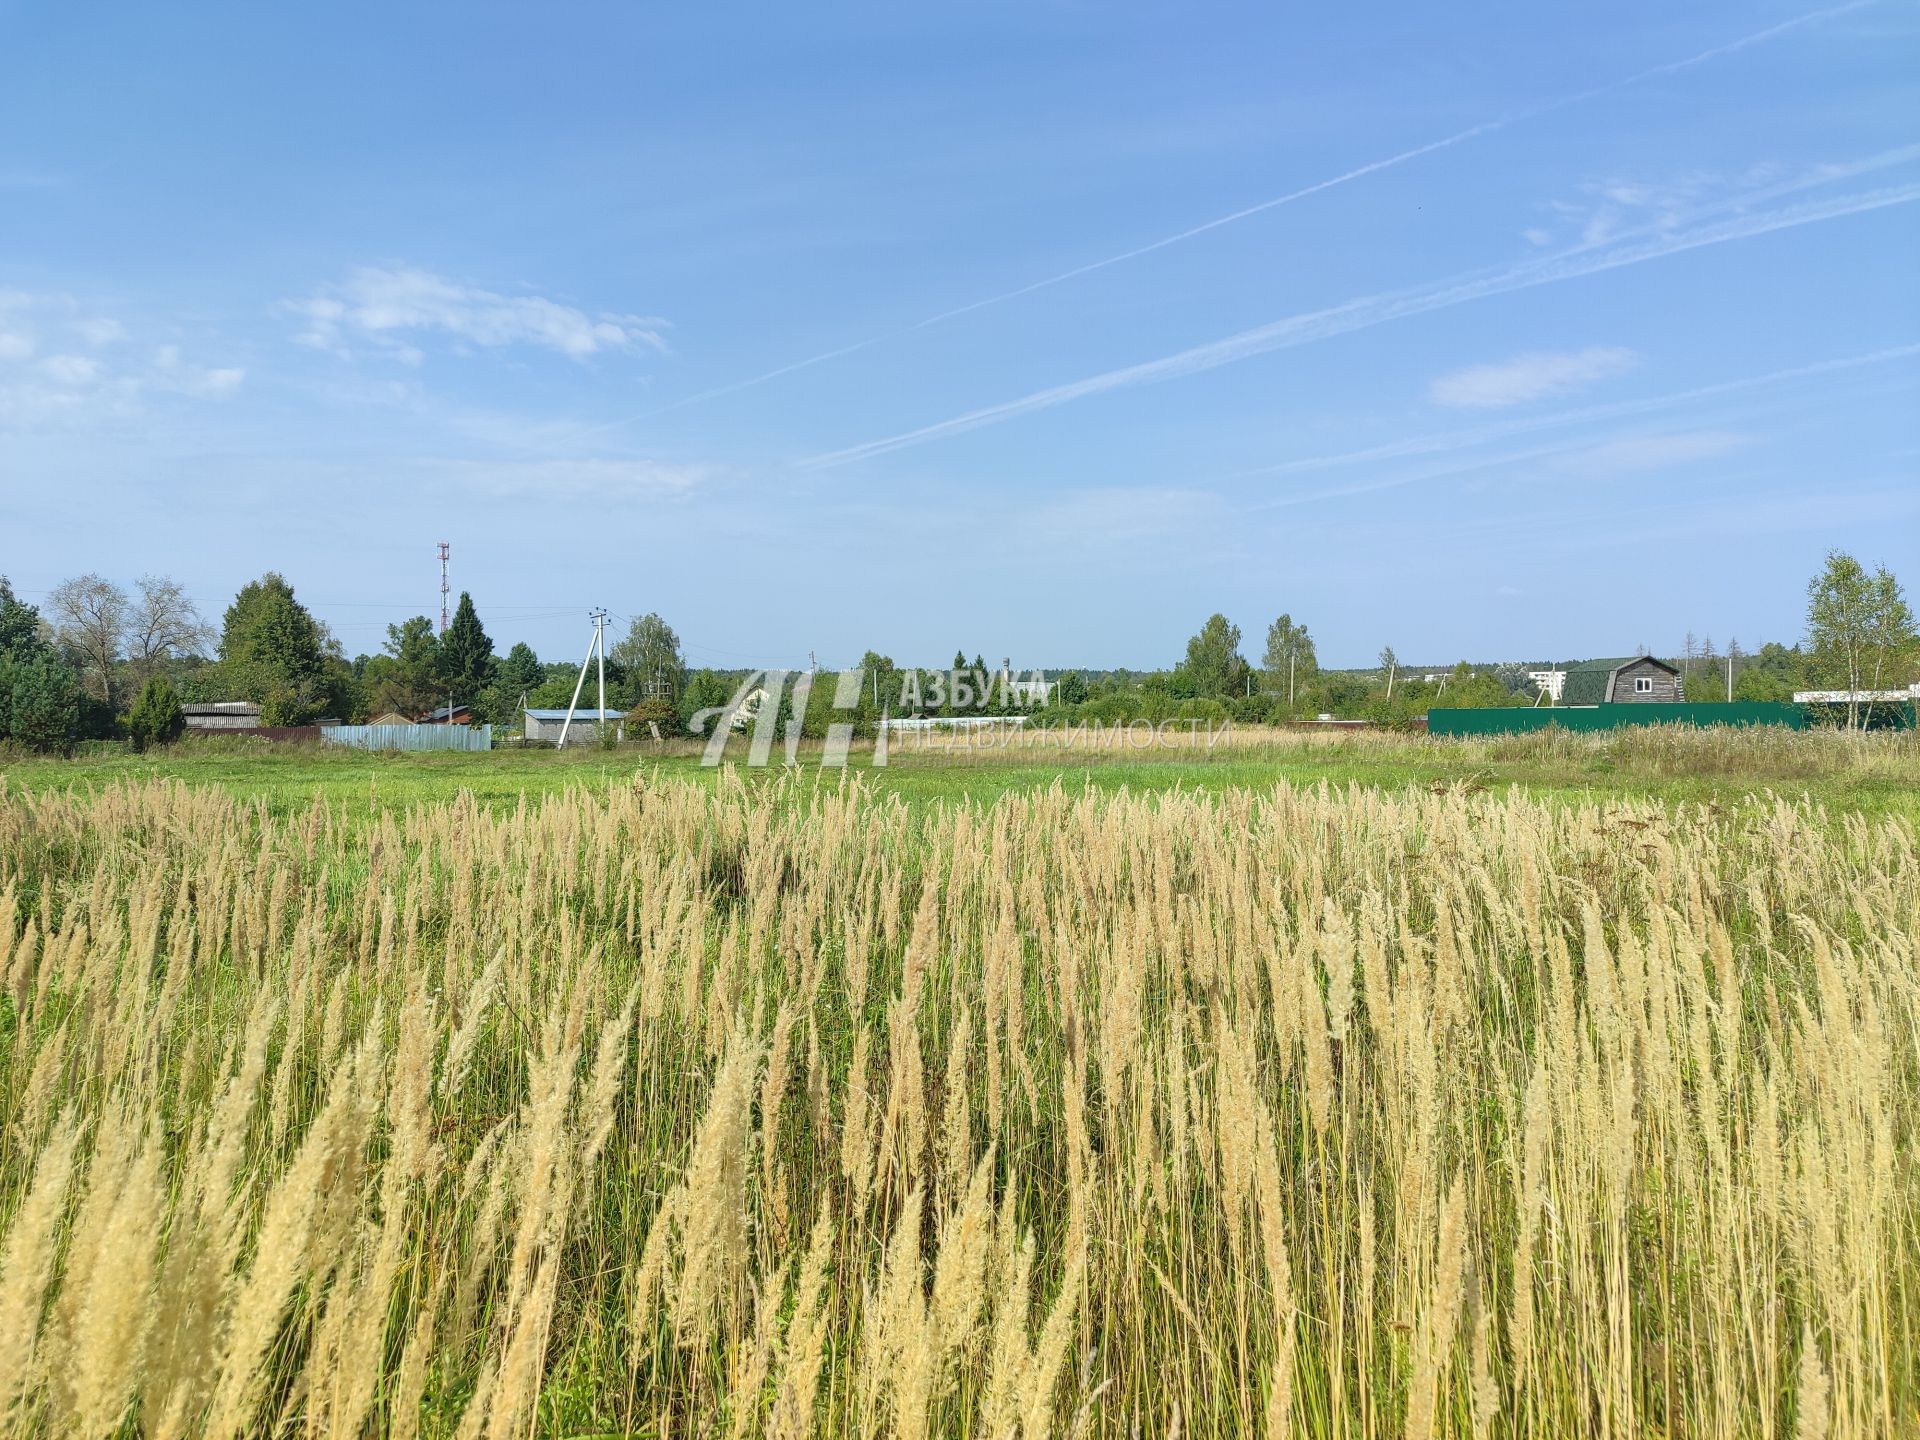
(788, 1109)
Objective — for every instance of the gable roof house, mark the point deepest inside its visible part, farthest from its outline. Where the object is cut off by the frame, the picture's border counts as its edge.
(1637, 680)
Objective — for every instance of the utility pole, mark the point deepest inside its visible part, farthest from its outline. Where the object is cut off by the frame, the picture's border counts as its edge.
(1290, 650)
(595, 647)
(600, 648)
(445, 549)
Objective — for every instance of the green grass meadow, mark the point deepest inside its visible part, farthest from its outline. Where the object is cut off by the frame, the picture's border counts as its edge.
(1869, 775)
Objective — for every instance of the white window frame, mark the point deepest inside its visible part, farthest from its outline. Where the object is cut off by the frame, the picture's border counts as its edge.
(1643, 684)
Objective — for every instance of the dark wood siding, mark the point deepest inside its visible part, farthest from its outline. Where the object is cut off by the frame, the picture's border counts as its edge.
(1666, 684)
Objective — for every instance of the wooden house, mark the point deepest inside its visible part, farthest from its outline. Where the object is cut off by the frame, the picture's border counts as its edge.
(1639, 680)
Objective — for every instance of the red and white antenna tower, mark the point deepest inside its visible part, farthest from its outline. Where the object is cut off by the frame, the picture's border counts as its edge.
(444, 550)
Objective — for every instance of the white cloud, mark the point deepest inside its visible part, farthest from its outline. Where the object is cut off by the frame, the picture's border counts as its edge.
(100, 331)
(1530, 377)
(17, 342)
(1607, 208)
(64, 388)
(212, 383)
(383, 305)
(1655, 452)
(73, 370)
(170, 373)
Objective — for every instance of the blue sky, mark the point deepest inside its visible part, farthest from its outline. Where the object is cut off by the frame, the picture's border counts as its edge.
(1041, 330)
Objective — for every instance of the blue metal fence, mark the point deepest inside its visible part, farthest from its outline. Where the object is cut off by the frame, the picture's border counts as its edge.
(409, 737)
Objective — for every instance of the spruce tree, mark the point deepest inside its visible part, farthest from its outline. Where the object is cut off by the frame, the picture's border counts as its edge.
(466, 655)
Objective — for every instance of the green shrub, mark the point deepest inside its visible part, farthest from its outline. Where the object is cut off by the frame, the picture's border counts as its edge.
(156, 717)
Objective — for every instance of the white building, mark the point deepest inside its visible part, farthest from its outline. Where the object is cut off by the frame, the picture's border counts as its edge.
(1855, 697)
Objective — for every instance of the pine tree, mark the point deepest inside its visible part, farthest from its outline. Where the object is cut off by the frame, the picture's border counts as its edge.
(39, 694)
(39, 702)
(466, 655)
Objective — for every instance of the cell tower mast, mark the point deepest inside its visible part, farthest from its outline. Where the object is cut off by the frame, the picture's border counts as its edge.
(445, 549)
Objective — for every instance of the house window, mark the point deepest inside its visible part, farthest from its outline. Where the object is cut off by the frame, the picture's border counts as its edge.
(1643, 684)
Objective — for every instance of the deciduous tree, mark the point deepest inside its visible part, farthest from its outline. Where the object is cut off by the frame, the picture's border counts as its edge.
(650, 657)
(1860, 628)
(163, 625)
(22, 632)
(273, 650)
(90, 625)
(1214, 667)
(1290, 659)
(521, 671)
(411, 680)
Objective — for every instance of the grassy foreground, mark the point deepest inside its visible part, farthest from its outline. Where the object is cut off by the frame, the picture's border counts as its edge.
(724, 1109)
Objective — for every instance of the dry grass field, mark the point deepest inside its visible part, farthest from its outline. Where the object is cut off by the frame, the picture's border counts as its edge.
(680, 1108)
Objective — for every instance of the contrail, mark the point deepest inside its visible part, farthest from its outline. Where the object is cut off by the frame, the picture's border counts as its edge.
(1617, 410)
(1465, 440)
(1371, 310)
(1458, 137)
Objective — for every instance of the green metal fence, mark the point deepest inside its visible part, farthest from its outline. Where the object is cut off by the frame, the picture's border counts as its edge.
(1513, 721)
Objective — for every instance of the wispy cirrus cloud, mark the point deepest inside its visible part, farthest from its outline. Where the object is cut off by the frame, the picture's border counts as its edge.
(1624, 455)
(1535, 376)
(46, 379)
(20, 179)
(1455, 440)
(394, 307)
(1617, 455)
(70, 370)
(1633, 454)
(1734, 218)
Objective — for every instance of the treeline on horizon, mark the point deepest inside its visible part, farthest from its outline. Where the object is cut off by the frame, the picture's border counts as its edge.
(100, 663)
